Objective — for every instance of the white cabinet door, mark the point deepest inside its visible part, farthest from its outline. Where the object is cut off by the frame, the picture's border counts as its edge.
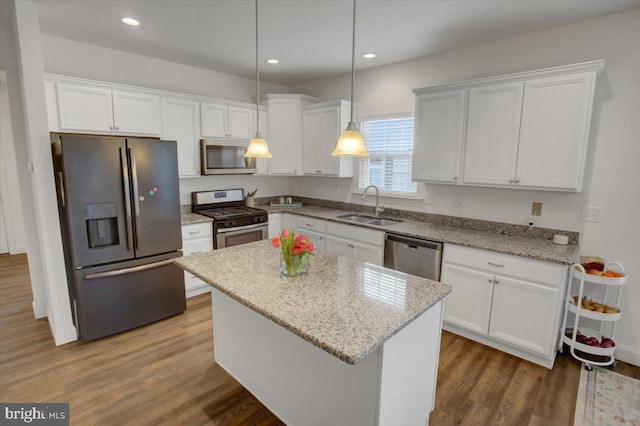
(493, 127)
(316, 238)
(214, 120)
(288, 221)
(312, 142)
(439, 130)
(84, 109)
(275, 224)
(181, 122)
(261, 163)
(240, 122)
(523, 314)
(556, 115)
(338, 246)
(284, 136)
(469, 303)
(330, 132)
(367, 253)
(136, 114)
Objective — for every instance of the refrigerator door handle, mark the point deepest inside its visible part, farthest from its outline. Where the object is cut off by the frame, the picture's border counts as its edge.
(60, 182)
(128, 270)
(127, 199)
(136, 195)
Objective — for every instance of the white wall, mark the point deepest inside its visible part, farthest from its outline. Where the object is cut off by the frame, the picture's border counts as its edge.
(21, 59)
(9, 187)
(72, 58)
(612, 176)
(267, 186)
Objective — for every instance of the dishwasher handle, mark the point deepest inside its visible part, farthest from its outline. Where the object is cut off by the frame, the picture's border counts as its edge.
(415, 242)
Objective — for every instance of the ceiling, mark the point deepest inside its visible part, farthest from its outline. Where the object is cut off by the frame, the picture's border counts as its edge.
(311, 38)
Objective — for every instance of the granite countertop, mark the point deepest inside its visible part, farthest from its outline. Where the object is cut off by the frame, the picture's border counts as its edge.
(533, 248)
(346, 307)
(191, 218)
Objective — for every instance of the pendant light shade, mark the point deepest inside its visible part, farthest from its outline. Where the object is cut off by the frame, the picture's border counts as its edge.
(258, 147)
(351, 143)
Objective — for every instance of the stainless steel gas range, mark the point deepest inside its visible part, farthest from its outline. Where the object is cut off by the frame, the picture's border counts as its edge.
(233, 223)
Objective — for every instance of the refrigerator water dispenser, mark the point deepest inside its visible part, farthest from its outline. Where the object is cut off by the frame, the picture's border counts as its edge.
(102, 224)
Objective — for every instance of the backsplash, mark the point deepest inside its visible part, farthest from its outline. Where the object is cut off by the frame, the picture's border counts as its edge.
(454, 221)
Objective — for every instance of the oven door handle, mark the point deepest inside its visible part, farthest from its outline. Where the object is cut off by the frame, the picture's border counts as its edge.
(241, 228)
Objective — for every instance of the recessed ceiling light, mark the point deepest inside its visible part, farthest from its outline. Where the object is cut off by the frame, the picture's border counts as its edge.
(272, 61)
(130, 21)
(369, 55)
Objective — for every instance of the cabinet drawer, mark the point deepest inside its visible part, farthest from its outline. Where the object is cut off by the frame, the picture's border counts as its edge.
(356, 233)
(309, 223)
(503, 264)
(197, 230)
(197, 246)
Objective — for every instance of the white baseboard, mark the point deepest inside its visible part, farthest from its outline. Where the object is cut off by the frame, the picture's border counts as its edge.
(39, 311)
(628, 355)
(61, 337)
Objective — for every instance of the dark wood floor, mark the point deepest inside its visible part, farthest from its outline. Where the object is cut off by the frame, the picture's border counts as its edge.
(164, 373)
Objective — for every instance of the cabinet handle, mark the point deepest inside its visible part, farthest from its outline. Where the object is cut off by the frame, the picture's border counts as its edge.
(194, 232)
(309, 225)
(117, 128)
(351, 246)
(510, 180)
(490, 280)
(318, 171)
(496, 264)
(516, 181)
(455, 178)
(496, 281)
(110, 127)
(321, 238)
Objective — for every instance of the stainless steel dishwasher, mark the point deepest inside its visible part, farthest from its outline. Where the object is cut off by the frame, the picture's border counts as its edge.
(413, 256)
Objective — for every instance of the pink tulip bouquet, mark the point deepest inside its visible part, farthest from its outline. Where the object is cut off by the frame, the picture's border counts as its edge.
(295, 251)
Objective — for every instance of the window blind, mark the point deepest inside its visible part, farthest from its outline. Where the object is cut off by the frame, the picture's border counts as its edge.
(390, 145)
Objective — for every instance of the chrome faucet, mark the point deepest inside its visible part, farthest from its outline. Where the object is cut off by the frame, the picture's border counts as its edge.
(377, 208)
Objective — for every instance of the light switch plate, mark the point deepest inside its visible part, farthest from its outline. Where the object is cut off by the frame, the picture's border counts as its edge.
(590, 214)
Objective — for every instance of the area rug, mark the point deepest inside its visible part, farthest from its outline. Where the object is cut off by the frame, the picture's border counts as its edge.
(607, 398)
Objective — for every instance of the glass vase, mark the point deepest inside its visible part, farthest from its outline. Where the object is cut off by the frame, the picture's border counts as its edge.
(294, 265)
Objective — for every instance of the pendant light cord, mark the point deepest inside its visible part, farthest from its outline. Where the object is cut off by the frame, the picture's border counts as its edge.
(258, 77)
(353, 55)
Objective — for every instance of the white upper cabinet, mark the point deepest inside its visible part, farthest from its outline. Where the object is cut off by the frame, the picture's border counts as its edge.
(493, 126)
(136, 114)
(100, 110)
(322, 125)
(438, 136)
(222, 121)
(181, 122)
(554, 131)
(84, 109)
(261, 163)
(527, 130)
(285, 133)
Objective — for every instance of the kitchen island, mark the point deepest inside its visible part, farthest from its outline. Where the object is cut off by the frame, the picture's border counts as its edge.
(348, 343)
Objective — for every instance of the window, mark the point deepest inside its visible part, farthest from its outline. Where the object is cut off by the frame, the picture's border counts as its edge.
(390, 145)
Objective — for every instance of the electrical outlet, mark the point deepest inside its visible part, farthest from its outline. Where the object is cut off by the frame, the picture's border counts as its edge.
(536, 209)
(590, 214)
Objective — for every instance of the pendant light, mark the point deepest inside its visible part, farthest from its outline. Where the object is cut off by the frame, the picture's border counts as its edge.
(350, 143)
(257, 146)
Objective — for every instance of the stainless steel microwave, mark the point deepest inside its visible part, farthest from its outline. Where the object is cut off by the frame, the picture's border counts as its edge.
(225, 157)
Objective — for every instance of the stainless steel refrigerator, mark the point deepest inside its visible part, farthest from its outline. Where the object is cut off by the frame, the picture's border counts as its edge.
(119, 208)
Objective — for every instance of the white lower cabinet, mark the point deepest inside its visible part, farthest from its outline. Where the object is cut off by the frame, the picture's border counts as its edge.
(312, 228)
(507, 302)
(196, 238)
(275, 224)
(355, 242)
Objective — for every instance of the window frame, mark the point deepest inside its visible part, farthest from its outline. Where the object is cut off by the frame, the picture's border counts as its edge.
(383, 192)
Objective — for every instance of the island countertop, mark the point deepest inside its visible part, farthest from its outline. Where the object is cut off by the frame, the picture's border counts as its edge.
(346, 307)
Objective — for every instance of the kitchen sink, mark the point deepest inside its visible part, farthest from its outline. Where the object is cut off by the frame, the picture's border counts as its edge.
(369, 220)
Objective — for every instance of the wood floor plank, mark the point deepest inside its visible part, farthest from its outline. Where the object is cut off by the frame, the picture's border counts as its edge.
(164, 373)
